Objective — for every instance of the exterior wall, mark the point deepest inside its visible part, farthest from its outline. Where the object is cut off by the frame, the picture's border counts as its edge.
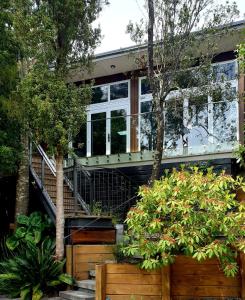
(133, 76)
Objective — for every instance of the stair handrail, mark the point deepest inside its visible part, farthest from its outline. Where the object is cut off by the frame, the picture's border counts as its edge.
(52, 168)
(46, 159)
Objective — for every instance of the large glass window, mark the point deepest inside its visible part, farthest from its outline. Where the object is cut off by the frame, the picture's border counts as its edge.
(195, 123)
(108, 126)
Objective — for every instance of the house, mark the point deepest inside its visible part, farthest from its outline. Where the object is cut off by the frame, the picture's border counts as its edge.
(120, 130)
(115, 147)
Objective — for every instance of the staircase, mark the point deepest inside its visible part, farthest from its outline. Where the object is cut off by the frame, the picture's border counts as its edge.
(76, 211)
(43, 172)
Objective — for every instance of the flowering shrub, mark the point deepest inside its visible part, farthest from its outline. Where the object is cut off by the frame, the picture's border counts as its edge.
(188, 212)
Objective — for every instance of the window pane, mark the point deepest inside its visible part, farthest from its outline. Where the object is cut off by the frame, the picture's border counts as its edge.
(175, 130)
(98, 136)
(119, 90)
(145, 87)
(147, 127)
(100, 94)
(118, 131)
(225, 117)
(197, 123)
(222, 72)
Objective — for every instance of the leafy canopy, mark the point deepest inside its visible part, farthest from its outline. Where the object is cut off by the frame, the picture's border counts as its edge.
(192, 213)
(55, 37)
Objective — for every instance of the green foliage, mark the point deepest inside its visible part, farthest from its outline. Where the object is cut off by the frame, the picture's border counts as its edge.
(55, 36)
(241, 57)
(54, 109)
(9, 129)
(32, 272)
(193, 213)
(32, 229)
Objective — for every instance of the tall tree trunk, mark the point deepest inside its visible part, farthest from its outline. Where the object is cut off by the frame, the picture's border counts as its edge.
(157, 105)
(22, 186)
(60, 221)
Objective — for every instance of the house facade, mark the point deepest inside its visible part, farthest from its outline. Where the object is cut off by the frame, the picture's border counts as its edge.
(120, 129)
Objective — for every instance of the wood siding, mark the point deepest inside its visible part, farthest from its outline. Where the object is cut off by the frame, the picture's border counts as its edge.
(184, 280)
(80, 259)
(191, 279)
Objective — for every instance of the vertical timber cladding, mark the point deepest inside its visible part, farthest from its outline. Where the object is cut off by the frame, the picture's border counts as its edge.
(190, 278)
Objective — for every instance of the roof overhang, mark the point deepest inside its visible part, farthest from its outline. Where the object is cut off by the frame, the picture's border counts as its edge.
(124, 60)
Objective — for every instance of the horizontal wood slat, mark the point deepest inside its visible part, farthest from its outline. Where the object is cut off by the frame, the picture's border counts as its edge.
(93, 249)
(204, 291)
(133, 289)
(133, 297)
(134, 278)
(93, 236)
(209, 280)
(127, 268)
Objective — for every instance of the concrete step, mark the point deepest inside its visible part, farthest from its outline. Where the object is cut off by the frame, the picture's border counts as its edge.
(77, 295)
(88, 284)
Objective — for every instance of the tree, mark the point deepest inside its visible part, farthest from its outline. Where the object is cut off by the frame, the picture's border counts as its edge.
(174, 49)
(56, 36)
(194, 213)
(9, 129)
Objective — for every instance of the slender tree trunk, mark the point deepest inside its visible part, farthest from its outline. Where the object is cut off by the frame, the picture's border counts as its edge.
(22, 186)
(157, 105)
(159, 144)
(60, 221)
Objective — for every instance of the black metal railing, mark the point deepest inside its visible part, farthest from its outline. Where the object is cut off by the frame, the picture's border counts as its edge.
(105, 191)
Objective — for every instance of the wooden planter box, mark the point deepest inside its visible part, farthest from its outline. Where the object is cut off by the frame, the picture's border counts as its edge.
(185, 279)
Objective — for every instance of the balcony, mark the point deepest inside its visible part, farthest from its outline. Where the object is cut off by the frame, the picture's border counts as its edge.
(192, 128)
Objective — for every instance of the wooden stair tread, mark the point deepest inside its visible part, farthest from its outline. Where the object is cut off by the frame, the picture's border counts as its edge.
(71, 209)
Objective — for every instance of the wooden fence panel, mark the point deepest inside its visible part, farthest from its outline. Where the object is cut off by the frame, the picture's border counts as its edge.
(128, 282)
(193, 280)
(82, 258)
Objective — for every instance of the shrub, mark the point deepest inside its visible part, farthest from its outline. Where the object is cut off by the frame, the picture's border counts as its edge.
(32, 271)
(30, 229)
(188, 212)
(29, 269)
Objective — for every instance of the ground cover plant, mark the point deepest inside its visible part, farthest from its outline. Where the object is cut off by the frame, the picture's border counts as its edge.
(194, 213)
(29, 269)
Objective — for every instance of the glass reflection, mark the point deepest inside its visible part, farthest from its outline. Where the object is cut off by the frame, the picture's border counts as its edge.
(99, 94)
(118, 131)
(119, 90)
(98, 133)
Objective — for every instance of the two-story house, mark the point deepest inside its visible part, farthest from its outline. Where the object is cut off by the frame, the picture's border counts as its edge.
(115, 147)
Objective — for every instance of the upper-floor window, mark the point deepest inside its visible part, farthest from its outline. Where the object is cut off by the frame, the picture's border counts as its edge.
(195, 122)
(110, 92)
